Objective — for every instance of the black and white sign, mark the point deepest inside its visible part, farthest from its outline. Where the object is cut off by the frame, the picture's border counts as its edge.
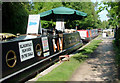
(26, 50)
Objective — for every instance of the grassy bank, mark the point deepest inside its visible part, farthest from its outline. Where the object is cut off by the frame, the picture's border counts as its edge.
(65, 70)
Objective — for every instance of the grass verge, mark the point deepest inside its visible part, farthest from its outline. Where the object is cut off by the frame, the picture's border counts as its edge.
(65, 70)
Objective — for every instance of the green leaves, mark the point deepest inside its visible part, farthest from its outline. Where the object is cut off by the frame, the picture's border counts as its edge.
(113, 12)
(87, 7)
(15, 15)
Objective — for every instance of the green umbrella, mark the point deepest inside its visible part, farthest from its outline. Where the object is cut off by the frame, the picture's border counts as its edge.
(62, 13)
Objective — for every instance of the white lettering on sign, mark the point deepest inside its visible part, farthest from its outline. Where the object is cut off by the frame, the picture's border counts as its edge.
(26, 50)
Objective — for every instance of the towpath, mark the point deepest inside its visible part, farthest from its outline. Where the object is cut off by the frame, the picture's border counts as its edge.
(100, 66)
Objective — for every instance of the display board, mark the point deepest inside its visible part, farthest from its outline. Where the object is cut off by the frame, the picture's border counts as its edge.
(45, 46)
(60, 25)
(34, 25)
(26, 50)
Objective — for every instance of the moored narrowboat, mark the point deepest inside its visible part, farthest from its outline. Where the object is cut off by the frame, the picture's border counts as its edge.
(24, 55)
(85, 35)
(27, 54)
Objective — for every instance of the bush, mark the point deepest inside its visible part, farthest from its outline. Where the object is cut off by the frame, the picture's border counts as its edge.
(117, 39)
(14, 17)
(117, 54)
(117, 57)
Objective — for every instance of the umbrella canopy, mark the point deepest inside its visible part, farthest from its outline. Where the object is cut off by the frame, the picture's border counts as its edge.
(62, 13)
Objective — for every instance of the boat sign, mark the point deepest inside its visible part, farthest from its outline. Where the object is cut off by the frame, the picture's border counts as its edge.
(33, 24)
(26, 50)
(45, 44)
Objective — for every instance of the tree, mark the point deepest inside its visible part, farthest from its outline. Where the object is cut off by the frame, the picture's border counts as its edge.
(114, 15)
(45, 6)
(88, 7)
(17, 13)
(14, 17)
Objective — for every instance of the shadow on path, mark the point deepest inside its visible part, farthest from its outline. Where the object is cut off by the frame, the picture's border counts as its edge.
(100, 66)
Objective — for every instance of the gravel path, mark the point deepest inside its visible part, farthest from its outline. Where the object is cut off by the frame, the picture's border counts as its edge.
(100, 66)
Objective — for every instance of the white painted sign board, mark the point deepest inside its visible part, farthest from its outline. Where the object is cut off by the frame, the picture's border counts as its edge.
(33, 24)
(26, 50)
(60, 26)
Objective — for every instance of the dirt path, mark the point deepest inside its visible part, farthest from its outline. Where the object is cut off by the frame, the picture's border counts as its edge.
(100, 66)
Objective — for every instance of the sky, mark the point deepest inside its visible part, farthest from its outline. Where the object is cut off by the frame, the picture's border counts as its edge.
(102, 13)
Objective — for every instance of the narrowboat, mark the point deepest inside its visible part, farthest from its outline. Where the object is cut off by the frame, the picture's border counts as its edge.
(94, 33)
(23, 55)
(85, 35)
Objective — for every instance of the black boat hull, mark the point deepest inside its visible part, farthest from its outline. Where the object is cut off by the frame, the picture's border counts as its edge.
(21, 70)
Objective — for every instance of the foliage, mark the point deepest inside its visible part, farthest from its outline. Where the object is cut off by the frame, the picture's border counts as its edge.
(114, 15)
(90, 21)
(105, 24)
(44, 6)
(113, 12)
(65, 70)
(117, 39)
(14, 17)
(91, 47)
(117, 57)
(117, 54)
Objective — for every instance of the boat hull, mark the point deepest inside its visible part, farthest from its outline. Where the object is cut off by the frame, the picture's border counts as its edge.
(14, 68)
